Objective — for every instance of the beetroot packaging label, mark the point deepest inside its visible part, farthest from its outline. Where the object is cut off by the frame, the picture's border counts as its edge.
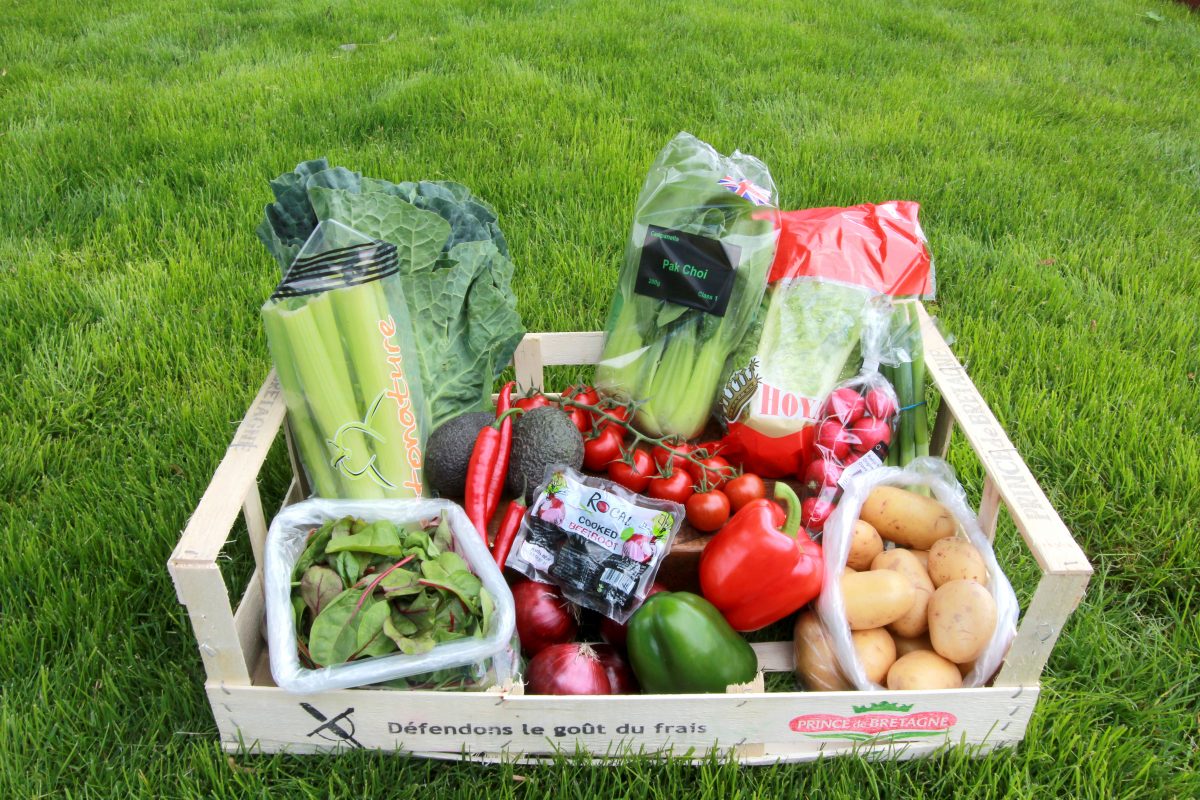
(598, 542)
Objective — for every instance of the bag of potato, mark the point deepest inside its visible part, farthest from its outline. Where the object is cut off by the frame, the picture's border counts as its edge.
(913, 597)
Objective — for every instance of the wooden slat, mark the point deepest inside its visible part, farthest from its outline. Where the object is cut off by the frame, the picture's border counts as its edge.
(775, 656)
(213, 519)
(1039, 524)
(249, 620)
(202, 589)
(943, 431)
(989, 507)
(1056, 596)
(256, 523)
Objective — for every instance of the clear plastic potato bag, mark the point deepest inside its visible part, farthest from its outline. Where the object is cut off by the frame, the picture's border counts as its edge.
(696, 263)
(938, 477)
(377, 616)
(342, 343)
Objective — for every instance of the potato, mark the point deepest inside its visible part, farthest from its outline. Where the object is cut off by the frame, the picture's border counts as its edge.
(905, 645)
(923, 557)
(850, 570)
(907, 518)
(816, 666)
(922, 669)
(956, 559)
(962, 617)
(875, 598)
(865, 544)
(876, 651)
(916, 621)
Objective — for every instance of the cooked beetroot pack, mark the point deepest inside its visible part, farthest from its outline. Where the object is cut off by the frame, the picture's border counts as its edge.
(597, 541)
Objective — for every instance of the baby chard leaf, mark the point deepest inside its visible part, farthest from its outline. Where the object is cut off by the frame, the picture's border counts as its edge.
(319, 586)
(369, 622)
(333, 639)
(314, 551)
(399, 583)
(378, 538)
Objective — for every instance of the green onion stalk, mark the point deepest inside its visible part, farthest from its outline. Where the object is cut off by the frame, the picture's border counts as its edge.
(908, 378)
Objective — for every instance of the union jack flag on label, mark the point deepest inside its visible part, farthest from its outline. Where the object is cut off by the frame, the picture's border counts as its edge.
(747, 189)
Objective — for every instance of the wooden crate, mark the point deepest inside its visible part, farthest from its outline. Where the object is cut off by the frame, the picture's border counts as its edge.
(749, 724)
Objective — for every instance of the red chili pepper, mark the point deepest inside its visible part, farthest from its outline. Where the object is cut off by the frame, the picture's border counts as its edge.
(508, 530)
(761, 566)
(481, 472)
(503, 404)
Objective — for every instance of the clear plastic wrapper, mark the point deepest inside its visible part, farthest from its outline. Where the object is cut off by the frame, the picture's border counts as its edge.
(462, 663)
(596, 540)
(830, 267)
(938, 477)
(342, 344)
(855, 425)
(696, 263)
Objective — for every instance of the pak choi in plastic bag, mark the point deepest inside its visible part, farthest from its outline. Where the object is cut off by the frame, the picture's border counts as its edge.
(696, 263)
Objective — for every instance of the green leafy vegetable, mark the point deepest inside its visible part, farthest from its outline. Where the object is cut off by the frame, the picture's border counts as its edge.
(454, 269)
(318, 587)
(665, 354)
(374, 588)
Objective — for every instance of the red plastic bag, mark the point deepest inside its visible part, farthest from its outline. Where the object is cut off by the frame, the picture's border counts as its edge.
(829, 264)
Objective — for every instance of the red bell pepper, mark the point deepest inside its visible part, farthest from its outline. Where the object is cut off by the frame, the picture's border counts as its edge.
(761, 566)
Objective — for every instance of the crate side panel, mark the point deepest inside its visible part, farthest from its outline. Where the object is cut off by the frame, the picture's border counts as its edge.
(273, 720)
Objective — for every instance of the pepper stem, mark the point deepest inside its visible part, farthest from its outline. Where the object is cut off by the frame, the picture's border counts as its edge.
(512, 412)
(784, 493)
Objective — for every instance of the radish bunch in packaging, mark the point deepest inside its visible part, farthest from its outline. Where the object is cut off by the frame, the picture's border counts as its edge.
(853, 436)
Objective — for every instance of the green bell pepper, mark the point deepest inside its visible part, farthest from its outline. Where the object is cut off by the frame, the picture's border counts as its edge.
(679, 643)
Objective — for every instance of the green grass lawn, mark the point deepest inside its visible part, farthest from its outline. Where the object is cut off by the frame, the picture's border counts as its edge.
(1055, 148)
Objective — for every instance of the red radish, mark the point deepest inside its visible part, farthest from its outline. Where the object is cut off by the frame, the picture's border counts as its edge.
(567, 669)
(881, 403)
(822, 472)
(620, 676)
(847, 405)
(832, 439)
(613, 631)
(868, 432)
(544, 616)
(814, 511)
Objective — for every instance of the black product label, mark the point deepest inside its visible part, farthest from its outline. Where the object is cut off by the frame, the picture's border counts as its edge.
(686, 269)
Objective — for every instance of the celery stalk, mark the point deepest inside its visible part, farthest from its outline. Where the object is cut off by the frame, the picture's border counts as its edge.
(312, 450)
(358, 311)
(311, 334)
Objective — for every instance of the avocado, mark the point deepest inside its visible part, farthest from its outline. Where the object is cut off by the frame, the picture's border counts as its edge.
(541, 437)
(448, 452)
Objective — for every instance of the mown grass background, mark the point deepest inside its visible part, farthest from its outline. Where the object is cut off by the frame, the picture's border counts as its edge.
(1055, 148)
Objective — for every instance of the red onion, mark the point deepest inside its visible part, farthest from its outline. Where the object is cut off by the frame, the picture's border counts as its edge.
(544, 616)
(567, 669)
(620, 676)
